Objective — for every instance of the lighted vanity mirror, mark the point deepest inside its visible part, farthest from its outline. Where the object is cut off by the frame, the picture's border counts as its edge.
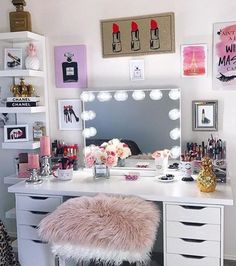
(147, 120)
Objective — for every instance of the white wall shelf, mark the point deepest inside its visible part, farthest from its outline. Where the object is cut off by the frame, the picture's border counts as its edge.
(24, 145)
(21, 36)
(21, 73)
(11, 214)
(23, 110)
(12, 179)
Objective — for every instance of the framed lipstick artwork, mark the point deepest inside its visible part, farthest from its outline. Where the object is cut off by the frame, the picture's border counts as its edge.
(205, 115)
(69, 111)
(138, 35)
(224, 55)
(70, 66)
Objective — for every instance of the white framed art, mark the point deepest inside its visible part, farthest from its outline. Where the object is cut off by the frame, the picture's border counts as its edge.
(136, 69)
(69, 111)
(16, 133)
(13, 58)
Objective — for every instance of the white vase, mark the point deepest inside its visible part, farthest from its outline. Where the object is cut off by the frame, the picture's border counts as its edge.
(32, 62)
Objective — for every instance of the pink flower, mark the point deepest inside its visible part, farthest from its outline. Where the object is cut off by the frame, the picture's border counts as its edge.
(111, 160)
(89, 160)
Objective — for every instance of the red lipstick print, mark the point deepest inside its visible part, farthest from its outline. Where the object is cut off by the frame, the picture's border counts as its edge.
(116, 44)
(154, 35)
(135, 42)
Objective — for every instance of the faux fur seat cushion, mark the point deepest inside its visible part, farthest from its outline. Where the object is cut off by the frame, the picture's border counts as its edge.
(102, 228)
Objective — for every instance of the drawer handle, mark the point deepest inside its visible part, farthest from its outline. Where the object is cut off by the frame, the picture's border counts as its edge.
(193, 240)
(34, 226)
(38, 198)
(38, 212)
(39, 241)
(192, 224)
(192, 207)
(192, 256)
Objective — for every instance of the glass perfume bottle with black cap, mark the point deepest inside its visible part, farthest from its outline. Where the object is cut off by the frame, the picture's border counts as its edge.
(69, 69)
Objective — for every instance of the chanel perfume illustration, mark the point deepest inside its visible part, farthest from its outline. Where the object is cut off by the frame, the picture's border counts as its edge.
(135, 42)
(116, 41)
(69, 69)
(154, 35)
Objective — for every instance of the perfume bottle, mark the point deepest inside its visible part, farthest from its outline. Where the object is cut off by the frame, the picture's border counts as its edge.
(69, 69)
(20, 20)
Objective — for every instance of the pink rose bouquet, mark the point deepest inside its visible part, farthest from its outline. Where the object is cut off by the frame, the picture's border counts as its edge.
(108, 153)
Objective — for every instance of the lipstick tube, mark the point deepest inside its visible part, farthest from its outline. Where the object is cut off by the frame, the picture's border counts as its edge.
(154, 35)
(116, 43)
(135, 42)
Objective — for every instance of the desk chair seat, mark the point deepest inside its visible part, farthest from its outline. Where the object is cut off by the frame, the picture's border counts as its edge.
(106, 229)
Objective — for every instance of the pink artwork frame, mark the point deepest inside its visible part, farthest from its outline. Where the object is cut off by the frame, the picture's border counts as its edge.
(194, 60)
(224, 55)
(70, 66)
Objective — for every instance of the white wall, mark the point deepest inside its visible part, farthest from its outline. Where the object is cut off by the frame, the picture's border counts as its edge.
(77, 22)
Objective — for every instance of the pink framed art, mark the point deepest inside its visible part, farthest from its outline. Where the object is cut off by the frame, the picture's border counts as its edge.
(194, 60)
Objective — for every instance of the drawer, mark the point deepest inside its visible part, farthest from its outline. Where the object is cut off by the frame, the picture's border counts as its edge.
(195, 214)
(30, 217)
(193, 247)
(193, 230)
(35, 253)
(184, 260)
(28, 232)
(31, 203)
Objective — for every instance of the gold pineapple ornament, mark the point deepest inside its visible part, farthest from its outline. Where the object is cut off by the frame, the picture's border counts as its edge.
(206, 179)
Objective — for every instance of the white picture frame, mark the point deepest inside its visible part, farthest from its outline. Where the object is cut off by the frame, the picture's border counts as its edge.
(16, 133)
(12, 58)
(69, 114)
(136, 67)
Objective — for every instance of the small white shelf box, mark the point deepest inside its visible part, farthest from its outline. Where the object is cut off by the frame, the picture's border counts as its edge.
(21, 36)
(11, 214)
(23, 110)
(24, 145)
(12, 179)
(21, 73)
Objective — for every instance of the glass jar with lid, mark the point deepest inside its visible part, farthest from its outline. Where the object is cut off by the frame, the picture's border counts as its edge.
(39, 130)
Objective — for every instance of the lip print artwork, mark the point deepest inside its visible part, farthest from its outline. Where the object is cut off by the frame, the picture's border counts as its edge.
(224, 56)
(138, 35)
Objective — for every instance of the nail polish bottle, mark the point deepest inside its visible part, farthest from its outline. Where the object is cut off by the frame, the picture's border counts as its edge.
(69, 69)
(20, 20)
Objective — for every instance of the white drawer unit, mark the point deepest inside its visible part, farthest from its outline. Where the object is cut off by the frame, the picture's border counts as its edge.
(193, 213)
(193, 230)
(33, 203)
(193, 235)
(188, 260)
(30, 211)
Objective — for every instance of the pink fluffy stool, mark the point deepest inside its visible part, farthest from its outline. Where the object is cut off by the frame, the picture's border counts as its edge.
(107, 229)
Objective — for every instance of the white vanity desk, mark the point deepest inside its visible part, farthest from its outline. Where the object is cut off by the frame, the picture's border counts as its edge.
(193, 221)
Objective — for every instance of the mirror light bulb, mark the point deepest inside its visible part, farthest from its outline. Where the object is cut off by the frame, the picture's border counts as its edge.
(138, 95)
(121, 96)
(174, 114)
(87, 96)
(174, 94)
(156, 95)
(88, 115)
(89, 132)
(175, 152)
(104, 96)
(175, 133)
